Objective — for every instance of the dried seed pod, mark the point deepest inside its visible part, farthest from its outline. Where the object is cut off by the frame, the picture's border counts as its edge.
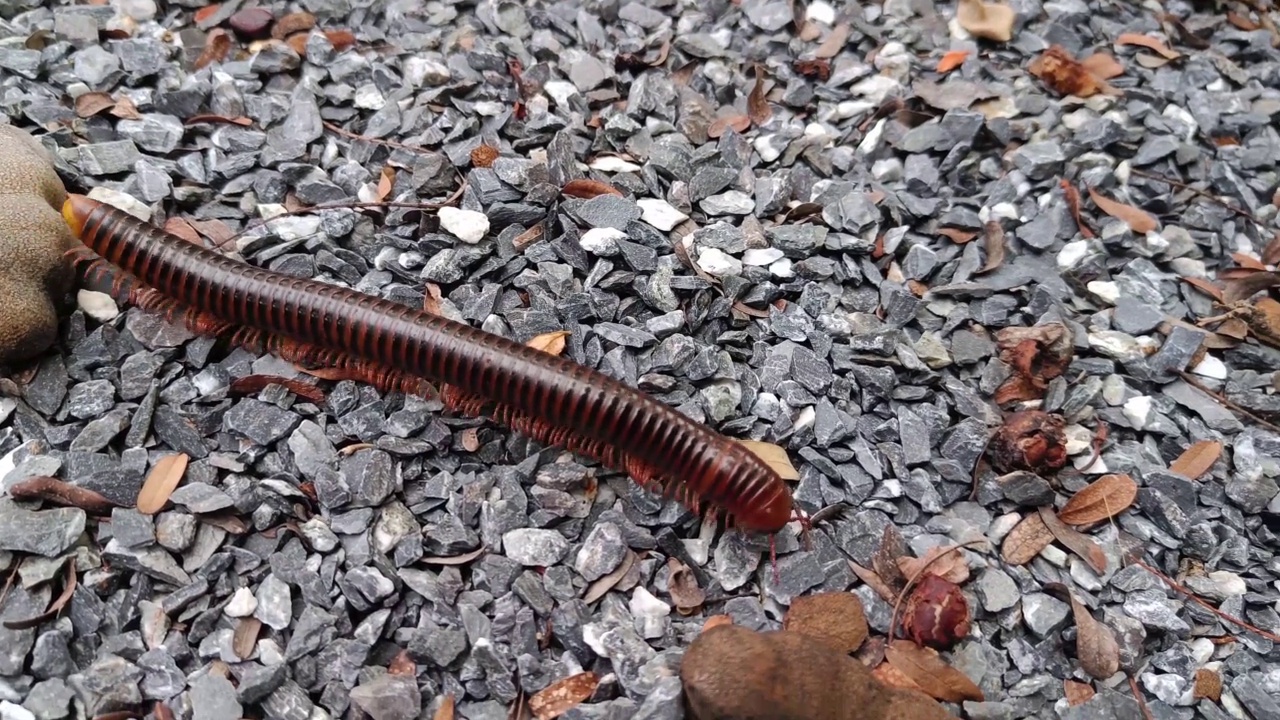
(937, 613)
(1030, 440)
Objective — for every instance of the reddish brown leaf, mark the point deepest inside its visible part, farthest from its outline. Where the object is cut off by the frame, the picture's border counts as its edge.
(952, 60)
(161, 482)
(340, 39)
(245, 636)
(292, 23)
(386, 181)
(937, 679)
(720, 125)
(1027, 539)
(1247, 262)
(558, 698)
(210, 118)
(1101, 499)
(1077, 693)
(1031, 440)
(125, 109)
(956, 235)
(53, 490)
(757, 104)
(993, 243)
(1140, 221)
(817, 69)
(587, 188)
(217, 45)
(1064, 74)
(205, 13)
(1197, 459)
(250, 384)
(92, 103)
(891, 676)
(1205, 287)
(1072, 196)
(1243, 288)
(1075, 541)
(1103, 66)
(179, 226)
(1149, 43)
(551, 343)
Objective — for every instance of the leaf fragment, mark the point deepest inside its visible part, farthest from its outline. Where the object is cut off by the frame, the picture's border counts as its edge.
(1077, 693)
(386, 181)
(1245, 287)
(1205, 287)
(989, 21)
(245, 637)
(587, 188)
(686, 596)
(775, 456)
(250, 384)
(721, 125)
(833, 43)
(68, 590)
(551, 343)
(1208, 685)
(1075, 541)
(604, 584)
(1148, 42)
(1140, 221)
(757, 104)
(1026, 540)
(563, 695)
(1065, 75)
(92, 103)
(1103, 66)
(1197, 459)
(952, 568)
(462, 559)
(1096, 646)
(925, 668)
(161, 482)
(993, 243)
(1101, 499)
(952, 60)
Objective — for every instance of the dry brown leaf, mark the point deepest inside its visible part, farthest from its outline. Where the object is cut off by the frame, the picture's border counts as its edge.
(92, 103)
(1139, 220)
(775, 456)
(1101, 499)
(739, 123)
(1103, 66)
(1243, 288)
(1026, 540)
(1077, 542)
(926, 669)
(445, 711)
(603, 585)
(551, 343)
(993, 243)
(1197, 459)
(885, 559)
(686, 596)
(835, 619)
(952, 60)
(1271, 253)
(956, 235)
(890, 676)
(757, 104)
(986, 20)
(1248, 262)
(217, 45)
(1264, 321)
(161, 482)
(563, 695)
(1149, 43)
(1208, 685)
(245, 637)
(1065, 75)
(125, 109)
(952, 567)
(586, 188)
(69, 583)
(1077, 693)
(1205, 287)
(833, 43)
(1096, 646)
(251, 384)
(462, 559)
(179, 226)
(386, 180)
(873, 580)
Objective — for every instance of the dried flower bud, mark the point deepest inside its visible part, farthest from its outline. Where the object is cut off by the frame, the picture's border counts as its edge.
(1030, 440)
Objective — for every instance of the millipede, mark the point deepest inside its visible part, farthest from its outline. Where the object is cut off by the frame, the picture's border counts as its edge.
(549, 398)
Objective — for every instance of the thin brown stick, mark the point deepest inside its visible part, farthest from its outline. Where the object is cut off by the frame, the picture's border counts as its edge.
(1142, 703)
(1204, 604)
(376, 141)
(1190, 380)
(1202, 193)
(911, 581)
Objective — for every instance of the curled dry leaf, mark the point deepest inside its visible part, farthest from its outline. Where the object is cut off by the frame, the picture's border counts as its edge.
(1149, 43)
(1031, 440)
(952, 60)
(833, 618)
(1197, 459)
(1103, 66)
(775, 456)
(386, 182)
(937, 613)
(1271, 253)
(757, 104)
(92, 103)
(718, 127)
(683, 586)
(1077, 693)
(53, 490)
(1027, 539)
(462, 559)
(1242, 288)
(68, 591)
(952, 568)
(586, 188)
(161, 482)
(1036, 355)
(874, 581)
(1063, 74)
(551, 343)
(1101, 499)
(1140, 221)
(989, 21)
(1206, 287)
(217, 45)
(563, 695)
(927, 670)
(1075, 541)
(993, 243)
(1095, 643)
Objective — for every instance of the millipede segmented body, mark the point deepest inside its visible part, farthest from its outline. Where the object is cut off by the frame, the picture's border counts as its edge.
(546, 396)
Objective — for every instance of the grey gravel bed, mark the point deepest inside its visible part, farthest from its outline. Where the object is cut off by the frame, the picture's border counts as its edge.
(328, 522)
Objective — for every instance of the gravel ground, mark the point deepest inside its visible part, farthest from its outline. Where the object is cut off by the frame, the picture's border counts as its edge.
(847, 299)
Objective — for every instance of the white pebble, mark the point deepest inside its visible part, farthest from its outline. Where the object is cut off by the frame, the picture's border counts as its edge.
(10, 711)
(468, 226)
(613, 164)
(1229, 583)
(560, 91)
(716, 262)
(759, 257)
(1211, 367)
(1054, 555)
(821, 12)
(1202, 650)
(1002, 526)
(1079, 439)
(1106, 291)
(99, 306)
(1138, 411)
(123, 201)
(242, 604)
(369, 97)
(1116, 345)
(140, 10)
(660, 213)
(1072, 253)
(601, 240)
(782, 269)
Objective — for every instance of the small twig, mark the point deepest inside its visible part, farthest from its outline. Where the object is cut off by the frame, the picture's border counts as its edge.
(1142, 703)
(1204, 604)
(1190, 380)
(911, 581)
(1099, 439)
(1202, 193)
(8, 584)
(376, 141)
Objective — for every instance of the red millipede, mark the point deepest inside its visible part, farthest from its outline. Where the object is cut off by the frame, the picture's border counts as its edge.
(550, 398)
